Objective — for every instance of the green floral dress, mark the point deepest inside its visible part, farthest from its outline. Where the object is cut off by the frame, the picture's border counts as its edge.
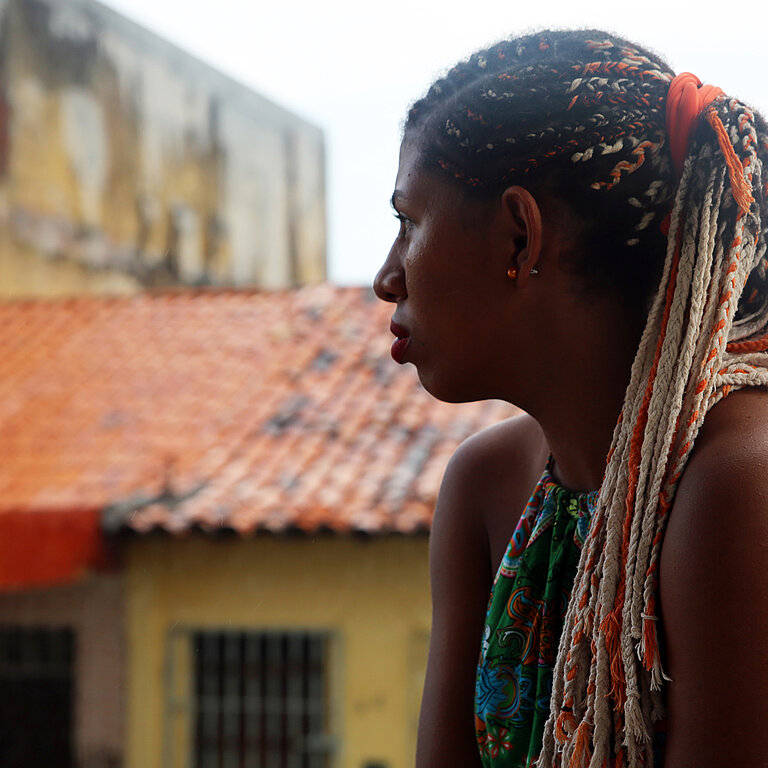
(523, 624)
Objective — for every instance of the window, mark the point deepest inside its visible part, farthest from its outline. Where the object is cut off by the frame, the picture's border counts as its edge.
(36, 697)
(256, 700)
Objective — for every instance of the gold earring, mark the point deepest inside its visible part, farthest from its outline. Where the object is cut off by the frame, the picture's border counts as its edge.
(512, 273)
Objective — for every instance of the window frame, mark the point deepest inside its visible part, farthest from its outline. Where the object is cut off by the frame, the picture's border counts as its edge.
(181, 703)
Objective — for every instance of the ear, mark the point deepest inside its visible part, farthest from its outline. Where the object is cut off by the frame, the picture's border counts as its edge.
(522, 218)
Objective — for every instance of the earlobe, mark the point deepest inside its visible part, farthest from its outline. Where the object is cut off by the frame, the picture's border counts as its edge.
(523, 219)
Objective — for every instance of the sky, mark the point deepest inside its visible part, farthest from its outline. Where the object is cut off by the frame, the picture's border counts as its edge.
(352, 67)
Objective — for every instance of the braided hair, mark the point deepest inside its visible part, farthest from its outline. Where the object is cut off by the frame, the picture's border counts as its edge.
(583, 113)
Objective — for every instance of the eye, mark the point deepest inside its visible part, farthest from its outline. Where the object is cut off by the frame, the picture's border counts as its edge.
(405, 223)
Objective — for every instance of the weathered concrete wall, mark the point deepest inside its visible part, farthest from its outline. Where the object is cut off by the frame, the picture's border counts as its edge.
(125, 162)
(94, 609)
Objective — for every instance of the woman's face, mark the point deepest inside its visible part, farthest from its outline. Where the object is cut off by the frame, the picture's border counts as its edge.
(446, 274)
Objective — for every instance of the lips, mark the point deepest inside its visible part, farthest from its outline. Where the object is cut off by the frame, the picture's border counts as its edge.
(400, 343)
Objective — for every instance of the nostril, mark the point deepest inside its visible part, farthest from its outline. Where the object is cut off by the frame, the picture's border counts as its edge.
(385, 294)
(387, 284)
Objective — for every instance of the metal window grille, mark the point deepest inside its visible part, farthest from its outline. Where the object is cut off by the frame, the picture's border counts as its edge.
(259, 700)
(36, 697)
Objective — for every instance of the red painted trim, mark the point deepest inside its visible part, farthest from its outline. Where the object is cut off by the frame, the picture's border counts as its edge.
(44, 548)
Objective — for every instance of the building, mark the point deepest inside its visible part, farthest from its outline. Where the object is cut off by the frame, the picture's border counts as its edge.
(125, 163)
(214, 509)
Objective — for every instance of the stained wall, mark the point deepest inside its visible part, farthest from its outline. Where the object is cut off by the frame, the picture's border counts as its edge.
(126, 163)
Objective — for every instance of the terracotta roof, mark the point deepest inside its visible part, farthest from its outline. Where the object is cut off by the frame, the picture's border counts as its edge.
(239, 410)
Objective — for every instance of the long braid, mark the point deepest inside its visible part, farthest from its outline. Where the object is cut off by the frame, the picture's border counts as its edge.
(715, 245)
(582, 110)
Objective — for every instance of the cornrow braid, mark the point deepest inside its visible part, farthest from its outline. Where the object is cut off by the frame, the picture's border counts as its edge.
(576, 112)
(585, 113)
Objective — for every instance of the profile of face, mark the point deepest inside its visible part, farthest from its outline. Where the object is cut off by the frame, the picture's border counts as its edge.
(446, 274)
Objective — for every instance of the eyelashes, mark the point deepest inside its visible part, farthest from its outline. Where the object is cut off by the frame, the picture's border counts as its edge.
(405, 222)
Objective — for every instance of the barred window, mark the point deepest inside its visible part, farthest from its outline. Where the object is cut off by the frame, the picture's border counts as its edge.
(257, 700)
(36, 697)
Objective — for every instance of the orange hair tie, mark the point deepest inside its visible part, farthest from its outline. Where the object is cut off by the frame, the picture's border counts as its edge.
(686, 100)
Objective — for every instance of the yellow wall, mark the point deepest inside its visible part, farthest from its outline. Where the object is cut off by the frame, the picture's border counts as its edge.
(128, 158)
(370, 594)
(26, 273)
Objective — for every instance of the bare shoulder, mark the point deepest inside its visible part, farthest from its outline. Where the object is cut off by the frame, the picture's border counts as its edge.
(724, 488)
(491, 471)
(726, 480)
(486, 476)
(714, 591)
(484, 489)
(485, 470)
(490, 478)
(504, 454)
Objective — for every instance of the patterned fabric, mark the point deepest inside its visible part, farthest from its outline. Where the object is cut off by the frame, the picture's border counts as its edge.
(523, 624)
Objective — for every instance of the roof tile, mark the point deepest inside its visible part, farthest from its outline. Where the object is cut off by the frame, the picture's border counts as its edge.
(221, 409)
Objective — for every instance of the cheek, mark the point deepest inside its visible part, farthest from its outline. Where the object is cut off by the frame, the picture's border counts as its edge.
(419, 273)
(431, 257)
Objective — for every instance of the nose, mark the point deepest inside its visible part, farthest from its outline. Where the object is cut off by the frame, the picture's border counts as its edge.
(389, 283)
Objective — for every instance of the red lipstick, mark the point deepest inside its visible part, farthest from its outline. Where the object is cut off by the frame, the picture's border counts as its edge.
(400, 343)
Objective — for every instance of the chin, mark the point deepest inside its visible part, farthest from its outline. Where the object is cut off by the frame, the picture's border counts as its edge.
(450, 391)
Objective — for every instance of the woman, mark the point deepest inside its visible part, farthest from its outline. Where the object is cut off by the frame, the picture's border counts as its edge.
(581, 234)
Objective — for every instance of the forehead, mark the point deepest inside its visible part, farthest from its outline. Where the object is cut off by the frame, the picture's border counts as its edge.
(419, 185)
(410, 167)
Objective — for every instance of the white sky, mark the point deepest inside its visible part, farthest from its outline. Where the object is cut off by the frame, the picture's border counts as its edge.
(353, 66)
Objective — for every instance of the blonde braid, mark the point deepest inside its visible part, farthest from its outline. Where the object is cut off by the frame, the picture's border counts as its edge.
(608, 675)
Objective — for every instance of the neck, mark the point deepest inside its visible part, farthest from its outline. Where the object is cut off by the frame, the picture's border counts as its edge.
(586, 382)
(579, 435)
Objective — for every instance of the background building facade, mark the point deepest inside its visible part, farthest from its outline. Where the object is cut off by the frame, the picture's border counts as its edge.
(214, 503)
(127, 163)
(219, 502)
